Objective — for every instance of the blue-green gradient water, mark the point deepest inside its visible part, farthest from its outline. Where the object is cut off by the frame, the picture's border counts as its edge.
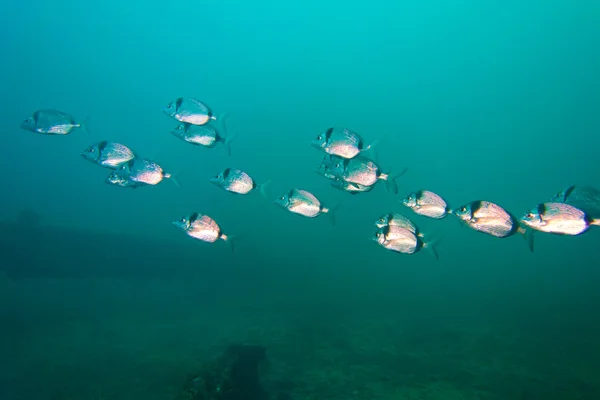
(495, 101)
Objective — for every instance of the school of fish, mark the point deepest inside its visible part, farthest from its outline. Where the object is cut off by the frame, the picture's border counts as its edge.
(345, 163)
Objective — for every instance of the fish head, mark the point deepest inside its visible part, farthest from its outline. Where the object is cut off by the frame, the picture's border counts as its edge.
(383, 221)
(29, 123)
(170, 109)
(283, 200)
(410, 200)
(180, 130)
(320, 141)
(329, 160)
(464, 213)
(338, 167)
(92, 153)
(183, 223)
(532, 218)
(218, 179)
(380, 235)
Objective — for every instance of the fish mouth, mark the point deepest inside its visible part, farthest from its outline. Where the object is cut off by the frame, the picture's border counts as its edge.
(317, 144)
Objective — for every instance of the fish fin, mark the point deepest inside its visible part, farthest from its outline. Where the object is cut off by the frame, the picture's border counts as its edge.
(223, 131)
(84, 126)
(595, 222)
(230, 240)
(430, 245)
(173, 178)
(332, 212)
(391, 184)
(528, 235)
(263, 188)
(568, 192)
(372, 146)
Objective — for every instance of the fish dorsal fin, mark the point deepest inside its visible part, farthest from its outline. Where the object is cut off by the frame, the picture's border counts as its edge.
(328, 133)
(226, 173)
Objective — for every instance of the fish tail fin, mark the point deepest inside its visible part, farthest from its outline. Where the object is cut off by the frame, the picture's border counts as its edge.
(223, 131)
(431, 246)
(332, 212)
(391, 184)
(230, 240)
(371, 146)
(528, 235)
(595, 222)
(263, 189)
(173, 178)
(85, 125)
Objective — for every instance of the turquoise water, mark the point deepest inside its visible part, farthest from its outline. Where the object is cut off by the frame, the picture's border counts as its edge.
(480, 101)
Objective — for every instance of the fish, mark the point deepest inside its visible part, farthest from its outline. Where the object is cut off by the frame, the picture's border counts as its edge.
(146, 171)
(402, 240)
(365, 172)
(427, 204)
(559, 219)
(397, 220)
(122, 179)
(302, 202)
(340, 142)
(585, 198)
(202, 227)
(189, 110)
(237, 181)
(108, 154)
(208, 135)
(51, 122)
(491, 219)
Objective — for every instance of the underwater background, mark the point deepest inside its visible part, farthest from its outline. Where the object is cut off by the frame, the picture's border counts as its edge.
(479, 100)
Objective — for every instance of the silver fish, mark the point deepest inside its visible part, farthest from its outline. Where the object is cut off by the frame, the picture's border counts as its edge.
(586, 198)
(236, 181)
(51, 122)
(427, 204)
(363, 171)
(402, 240)
(397, 220)
(144, 171)
(120, 178)
(301, 202)
(340, 142)
(558, 218)
(207, 135)
(491, 219)
(108, 154)
(202, 227)
(189, 110)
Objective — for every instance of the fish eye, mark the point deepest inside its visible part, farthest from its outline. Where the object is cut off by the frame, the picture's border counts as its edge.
(381, 220)
(463, 209)
(529, 215)
(319, 137)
